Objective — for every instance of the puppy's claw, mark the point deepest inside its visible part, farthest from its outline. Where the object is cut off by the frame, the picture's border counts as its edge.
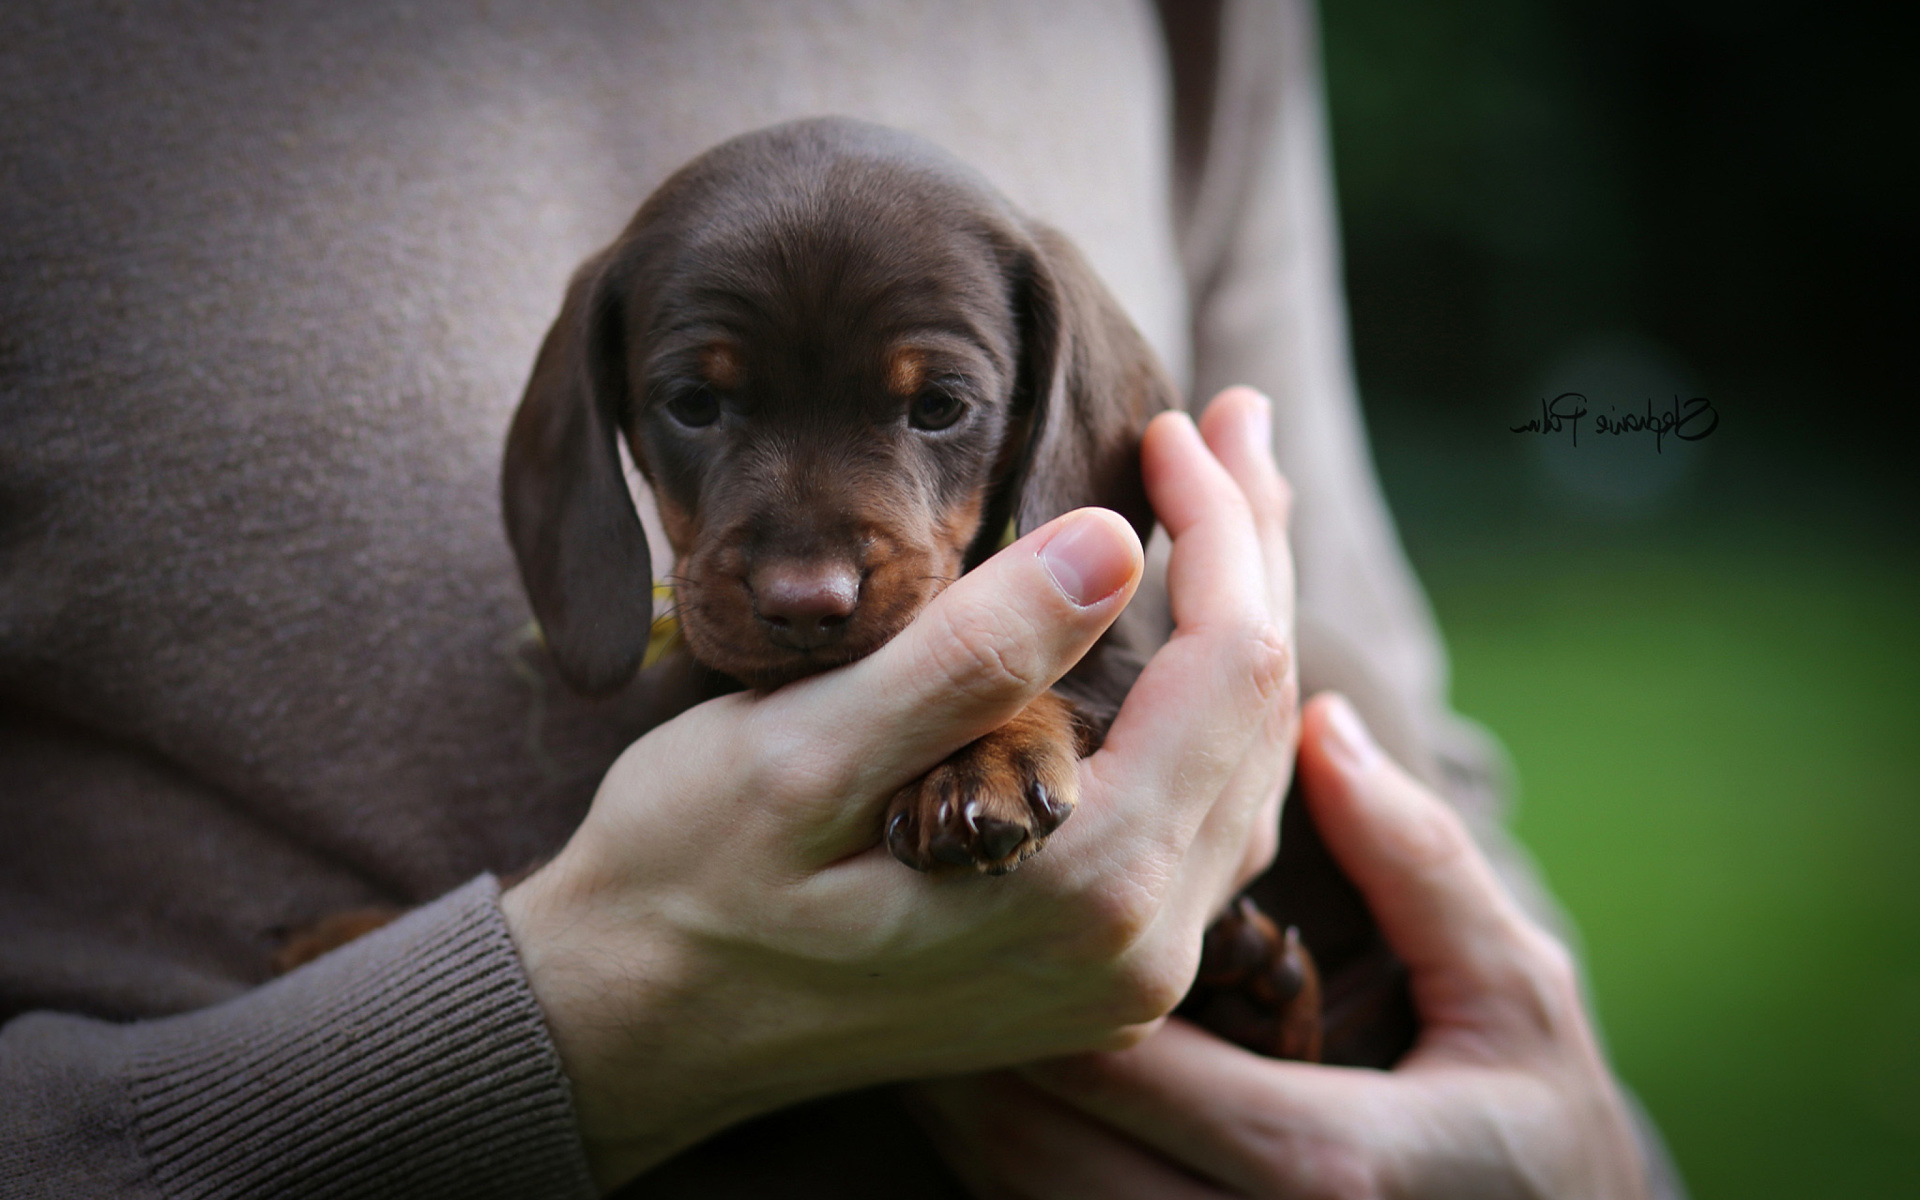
(1258, 987)
(992, 804)
(1049, 813)
(1286, 976)
(900, 840)
(1236, 946)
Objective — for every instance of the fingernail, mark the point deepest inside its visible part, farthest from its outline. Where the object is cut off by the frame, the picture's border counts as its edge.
(1352, 747)
(1088, 559)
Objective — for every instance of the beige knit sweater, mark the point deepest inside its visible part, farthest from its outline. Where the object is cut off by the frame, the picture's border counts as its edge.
(271, 278)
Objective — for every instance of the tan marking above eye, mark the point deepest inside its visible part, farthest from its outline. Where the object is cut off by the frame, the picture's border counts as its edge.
(906, 371)
(720, 364)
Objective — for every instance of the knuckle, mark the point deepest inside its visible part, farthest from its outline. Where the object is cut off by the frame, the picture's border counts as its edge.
(1554, 974)
(1111, 914)
(1281, 726)
(1287, 711)
(1148, 991)
(1113, 920)
(1555, 964)
(788, 763)
(1114, 939)
(1545, 982)
(1261, 655)
(1263, 846)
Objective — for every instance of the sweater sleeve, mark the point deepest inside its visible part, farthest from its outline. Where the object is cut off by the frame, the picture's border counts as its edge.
(413, 1062)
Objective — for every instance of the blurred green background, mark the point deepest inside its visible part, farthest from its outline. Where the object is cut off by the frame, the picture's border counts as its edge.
(1705, 660)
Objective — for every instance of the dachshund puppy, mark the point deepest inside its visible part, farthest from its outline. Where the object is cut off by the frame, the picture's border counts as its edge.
(846, 367)
(849, 370)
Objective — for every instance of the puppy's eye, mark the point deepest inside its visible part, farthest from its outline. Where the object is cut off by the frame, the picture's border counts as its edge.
(695, 409)
(935, 410)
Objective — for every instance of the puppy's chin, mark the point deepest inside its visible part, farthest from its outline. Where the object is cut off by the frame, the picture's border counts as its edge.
(765, 666)
(765, 677)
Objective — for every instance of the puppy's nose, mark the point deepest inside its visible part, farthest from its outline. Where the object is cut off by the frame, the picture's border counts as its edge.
(805, 605)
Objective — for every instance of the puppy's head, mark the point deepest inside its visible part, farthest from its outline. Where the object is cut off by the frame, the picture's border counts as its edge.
(843, 364)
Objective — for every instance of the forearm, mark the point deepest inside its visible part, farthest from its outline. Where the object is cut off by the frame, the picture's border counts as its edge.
(414, 1062)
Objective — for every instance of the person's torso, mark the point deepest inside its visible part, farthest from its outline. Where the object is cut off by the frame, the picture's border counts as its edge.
(271, 280)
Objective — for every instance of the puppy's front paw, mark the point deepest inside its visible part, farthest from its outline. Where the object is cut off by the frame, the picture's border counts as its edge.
(992, 804)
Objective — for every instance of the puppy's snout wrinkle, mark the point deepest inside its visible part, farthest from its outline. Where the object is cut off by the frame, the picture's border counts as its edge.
(805, 605)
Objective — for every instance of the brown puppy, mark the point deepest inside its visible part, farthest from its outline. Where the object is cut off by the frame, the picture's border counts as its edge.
(846, 367)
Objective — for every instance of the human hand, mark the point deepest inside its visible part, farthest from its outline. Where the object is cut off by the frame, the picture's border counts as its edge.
(724, 935)
(1504, 1094)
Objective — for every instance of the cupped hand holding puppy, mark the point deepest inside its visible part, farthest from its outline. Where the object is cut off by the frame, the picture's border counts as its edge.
(1505, 1094)
(724, 935)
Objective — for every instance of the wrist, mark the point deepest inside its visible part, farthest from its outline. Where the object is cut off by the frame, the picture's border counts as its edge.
(668, 1031)
(607, 986)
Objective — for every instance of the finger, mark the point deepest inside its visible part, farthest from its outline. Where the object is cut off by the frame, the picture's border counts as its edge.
(1238, 428)
(1470, 952)
(1215, 574)
(1229, 662)
(1227, 657)
(1256, 1125)
(1007, 1139)
(1185, 726)
(978, 654)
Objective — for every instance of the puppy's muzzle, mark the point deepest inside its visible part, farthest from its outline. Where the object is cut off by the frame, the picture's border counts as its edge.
(804, 605)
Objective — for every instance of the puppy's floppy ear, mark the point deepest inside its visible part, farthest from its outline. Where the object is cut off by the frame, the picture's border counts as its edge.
(1089, 384)
(583, 554)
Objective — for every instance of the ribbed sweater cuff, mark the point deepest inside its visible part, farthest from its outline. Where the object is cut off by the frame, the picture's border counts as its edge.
(412, 1063)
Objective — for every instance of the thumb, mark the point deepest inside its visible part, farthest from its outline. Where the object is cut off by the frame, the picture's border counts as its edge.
(1434, 894)
(978, 654)
(1257, 1125)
